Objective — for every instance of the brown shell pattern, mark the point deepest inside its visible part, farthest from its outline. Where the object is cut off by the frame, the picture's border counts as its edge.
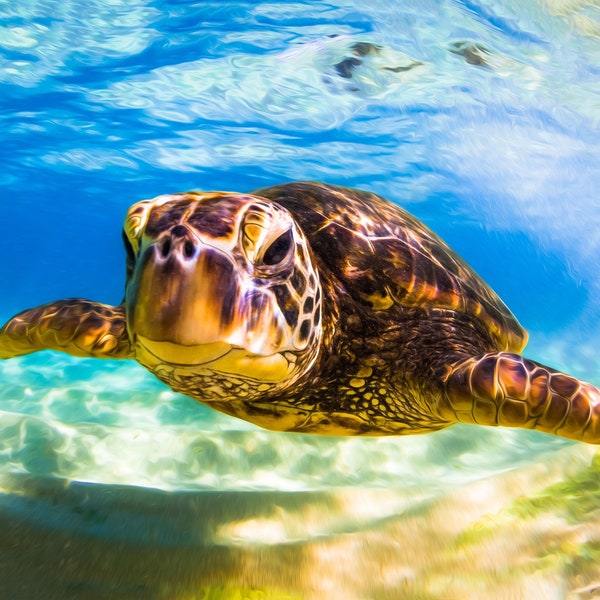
(387, 258)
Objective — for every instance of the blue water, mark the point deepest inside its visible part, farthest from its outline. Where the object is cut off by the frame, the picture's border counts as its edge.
(481, 117)
(107, 103)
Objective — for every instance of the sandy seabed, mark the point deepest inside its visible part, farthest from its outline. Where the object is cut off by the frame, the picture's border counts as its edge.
(113, 487)
(530, 533)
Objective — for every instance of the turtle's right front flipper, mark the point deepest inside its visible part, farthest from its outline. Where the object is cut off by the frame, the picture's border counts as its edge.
(75, 326)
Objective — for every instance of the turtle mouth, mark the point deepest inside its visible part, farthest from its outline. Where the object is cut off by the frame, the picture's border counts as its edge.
(183, 354)
(218, 357)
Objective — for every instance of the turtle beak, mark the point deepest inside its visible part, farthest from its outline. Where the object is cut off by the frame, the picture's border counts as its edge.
(186, 303)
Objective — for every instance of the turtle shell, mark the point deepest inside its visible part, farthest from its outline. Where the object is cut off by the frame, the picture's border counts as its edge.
(387, 259)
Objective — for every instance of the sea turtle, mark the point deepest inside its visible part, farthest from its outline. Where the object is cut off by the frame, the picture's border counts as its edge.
(313, 308)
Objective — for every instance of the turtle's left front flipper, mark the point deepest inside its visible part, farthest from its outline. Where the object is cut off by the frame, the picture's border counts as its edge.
(75, 326)
(507, 389)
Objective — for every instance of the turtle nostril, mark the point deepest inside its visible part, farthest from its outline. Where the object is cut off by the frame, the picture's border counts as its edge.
(165, 248)
(188, 249)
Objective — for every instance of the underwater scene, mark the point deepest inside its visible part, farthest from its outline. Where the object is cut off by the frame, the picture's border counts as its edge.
(479, 117)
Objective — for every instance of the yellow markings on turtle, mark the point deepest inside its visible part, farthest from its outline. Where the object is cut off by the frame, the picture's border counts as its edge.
(204, 359)
(378, 300)
(253, 233)
(135, 221)
(105, 344)
(272, 368)
(179, 354)
(372, 360)
(357, 383)
(290, 357)
(364, 372)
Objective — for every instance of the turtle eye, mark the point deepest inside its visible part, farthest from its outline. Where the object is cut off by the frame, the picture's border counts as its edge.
(128, 247)
(279, 249)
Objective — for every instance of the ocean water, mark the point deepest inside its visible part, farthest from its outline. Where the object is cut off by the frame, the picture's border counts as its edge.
(480, 117)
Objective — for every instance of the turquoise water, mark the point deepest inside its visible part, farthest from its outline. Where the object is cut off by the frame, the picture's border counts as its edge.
(481, 118)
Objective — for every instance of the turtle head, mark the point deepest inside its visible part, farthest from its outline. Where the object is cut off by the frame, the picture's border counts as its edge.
(223, 301)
